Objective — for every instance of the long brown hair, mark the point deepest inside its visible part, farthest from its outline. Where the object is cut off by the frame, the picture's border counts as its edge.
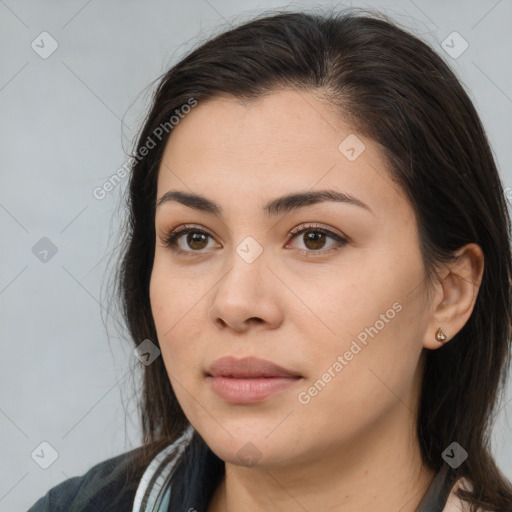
(394, 89)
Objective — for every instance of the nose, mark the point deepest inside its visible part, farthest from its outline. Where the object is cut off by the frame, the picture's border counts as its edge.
(247, 296)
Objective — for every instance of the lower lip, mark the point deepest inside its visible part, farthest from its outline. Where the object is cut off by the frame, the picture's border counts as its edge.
(249, 391)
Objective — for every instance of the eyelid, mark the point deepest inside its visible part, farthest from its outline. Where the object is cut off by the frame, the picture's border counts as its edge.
(170, 239)
(339, 238)
(312, 226)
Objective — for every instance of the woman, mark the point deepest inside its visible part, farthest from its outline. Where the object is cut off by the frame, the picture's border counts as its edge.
(317, 277)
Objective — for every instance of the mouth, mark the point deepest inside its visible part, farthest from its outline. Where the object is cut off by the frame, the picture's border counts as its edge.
(248, 367)
(249, 380)
(245, 390)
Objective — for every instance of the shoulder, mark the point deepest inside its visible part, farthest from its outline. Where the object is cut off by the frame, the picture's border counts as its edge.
(93, 490)
(454, 503)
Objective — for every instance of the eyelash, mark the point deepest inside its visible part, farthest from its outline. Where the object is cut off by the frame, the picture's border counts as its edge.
(171, 239)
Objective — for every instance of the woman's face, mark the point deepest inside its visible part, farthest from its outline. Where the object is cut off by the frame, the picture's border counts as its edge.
(346, 316)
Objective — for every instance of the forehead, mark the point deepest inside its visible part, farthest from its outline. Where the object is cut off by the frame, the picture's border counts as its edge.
(285, 121)
(286, 141)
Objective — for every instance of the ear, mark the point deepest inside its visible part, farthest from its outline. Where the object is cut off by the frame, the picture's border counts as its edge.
(455, 295)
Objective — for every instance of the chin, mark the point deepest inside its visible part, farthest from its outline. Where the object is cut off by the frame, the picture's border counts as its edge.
(249, 444)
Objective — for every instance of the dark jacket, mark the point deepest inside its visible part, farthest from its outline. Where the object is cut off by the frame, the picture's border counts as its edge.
(181, 477)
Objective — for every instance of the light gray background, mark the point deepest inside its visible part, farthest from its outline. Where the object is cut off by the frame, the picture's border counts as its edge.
(62, 379)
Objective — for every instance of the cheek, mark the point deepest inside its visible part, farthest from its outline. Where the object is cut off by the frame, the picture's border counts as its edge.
(172, 297)
(373, 318)
(371, 378)
(176, 309)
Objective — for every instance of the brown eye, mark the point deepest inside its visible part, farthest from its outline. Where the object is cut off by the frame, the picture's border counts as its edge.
(197, 241)
(314, 240)
(193, 243)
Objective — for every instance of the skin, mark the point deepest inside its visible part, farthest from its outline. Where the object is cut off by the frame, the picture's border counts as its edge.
(353, 445)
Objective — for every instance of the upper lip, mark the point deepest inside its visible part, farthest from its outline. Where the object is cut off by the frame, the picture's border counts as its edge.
(247, 367)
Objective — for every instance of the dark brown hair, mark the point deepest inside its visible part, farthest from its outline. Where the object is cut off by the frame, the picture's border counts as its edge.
(393, 88)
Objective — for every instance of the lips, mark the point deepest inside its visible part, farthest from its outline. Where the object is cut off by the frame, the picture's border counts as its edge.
(247, 368)
(249, 380)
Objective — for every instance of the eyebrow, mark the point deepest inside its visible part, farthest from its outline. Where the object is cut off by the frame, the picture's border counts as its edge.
(276, 206)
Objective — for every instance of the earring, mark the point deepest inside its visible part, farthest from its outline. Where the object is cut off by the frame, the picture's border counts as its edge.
(440, 335)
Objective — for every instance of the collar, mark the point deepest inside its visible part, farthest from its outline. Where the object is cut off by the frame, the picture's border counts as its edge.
(184, 475)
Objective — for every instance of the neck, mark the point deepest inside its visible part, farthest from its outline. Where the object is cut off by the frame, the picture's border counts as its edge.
(378, 469)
